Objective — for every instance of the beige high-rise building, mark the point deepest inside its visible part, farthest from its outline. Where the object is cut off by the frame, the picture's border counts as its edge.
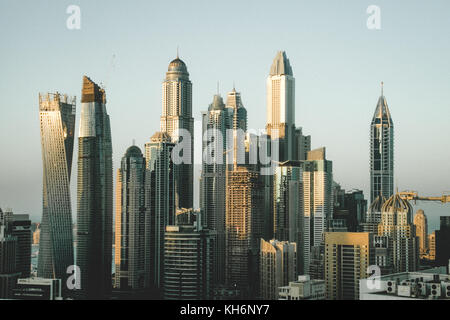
(281, 105)
(177, 115)
(420, 221)
(318, 199)
(277, 267)
(431, 246)
(243, 228)
(347, 257)
(396, 224)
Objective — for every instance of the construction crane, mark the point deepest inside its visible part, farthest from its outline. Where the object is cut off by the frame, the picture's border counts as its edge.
(413, 195)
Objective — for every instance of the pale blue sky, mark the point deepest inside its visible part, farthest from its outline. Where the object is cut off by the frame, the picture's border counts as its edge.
(337, 62)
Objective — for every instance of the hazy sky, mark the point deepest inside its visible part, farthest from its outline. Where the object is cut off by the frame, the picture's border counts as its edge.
(337, 61)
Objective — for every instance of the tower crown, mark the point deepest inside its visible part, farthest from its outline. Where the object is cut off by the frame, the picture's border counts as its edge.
(281, 65)
(177, 65)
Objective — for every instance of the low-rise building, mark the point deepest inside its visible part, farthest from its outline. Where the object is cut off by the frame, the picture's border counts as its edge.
(304, 288)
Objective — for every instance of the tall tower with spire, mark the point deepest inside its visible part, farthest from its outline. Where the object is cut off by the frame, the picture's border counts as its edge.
(177, 114)
(381, 151)
(281, 105)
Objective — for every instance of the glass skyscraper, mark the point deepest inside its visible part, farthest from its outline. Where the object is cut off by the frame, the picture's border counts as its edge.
(95, 194)
(57, 122)
(381, 151)
(132, 225)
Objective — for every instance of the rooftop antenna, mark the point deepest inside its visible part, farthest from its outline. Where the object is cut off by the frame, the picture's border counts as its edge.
(382, 84)
(217, 87)
(134, 142)
(177, 52)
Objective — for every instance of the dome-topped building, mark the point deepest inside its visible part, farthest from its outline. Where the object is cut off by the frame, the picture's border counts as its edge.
(374, 211)
(177, 70)
(176, 121)
(396, 224)
(397, 211)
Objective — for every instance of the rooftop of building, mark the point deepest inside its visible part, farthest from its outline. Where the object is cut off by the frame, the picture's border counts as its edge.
(281, 65)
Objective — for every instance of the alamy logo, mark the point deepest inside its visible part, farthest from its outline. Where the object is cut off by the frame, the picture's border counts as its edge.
(73, 22)
(74, 280)
(374, 20)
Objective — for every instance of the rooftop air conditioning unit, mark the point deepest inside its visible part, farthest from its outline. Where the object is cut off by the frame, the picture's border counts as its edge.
(446, 289)
(435, 290)
(391, 287)
(422, 288)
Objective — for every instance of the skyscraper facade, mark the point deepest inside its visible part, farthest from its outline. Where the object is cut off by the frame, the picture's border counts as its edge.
(19, 226)
(347, 257)
(244, 214)
(57, 124)
(280, 88)
(132, 225)
(421, 224)
(277, 266)
(188, 262)
(160, 191)
(95, 194)
(318, 199)
(381, 151)
(288, 206)
(396, 224)
(177, 114)
(216, 121)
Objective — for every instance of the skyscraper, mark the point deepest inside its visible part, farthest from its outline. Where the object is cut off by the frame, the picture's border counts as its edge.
(381, 151)
(132, 231)
(95, 194)
(160, 192)
(57, 122)
(396, 224)
(288, 209)
(318, 199)
(277, 266)
(188, 261)
(177, 114)
(243, 224)
(280, 87)
(421, 223)
(9, 273)
(215, 121)
(244, 214)
(442, 242)
(347, 257)
(19, 226)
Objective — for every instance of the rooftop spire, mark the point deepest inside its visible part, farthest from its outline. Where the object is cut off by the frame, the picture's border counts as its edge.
(178, 52)
(382, 85)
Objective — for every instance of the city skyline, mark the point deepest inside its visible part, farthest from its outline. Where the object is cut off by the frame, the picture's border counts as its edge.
(349, 91)
(291, 184)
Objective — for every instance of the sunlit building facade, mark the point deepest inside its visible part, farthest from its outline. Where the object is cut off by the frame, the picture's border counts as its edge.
(280, 88)
(421, 224)
(57, 124)
(160, 199)
(176, 115)
(381, 151)
(396, 224)
(95, 194)
(244, 228)
(132, 224)
(317, 200)
(347, 257)
(277, 266)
